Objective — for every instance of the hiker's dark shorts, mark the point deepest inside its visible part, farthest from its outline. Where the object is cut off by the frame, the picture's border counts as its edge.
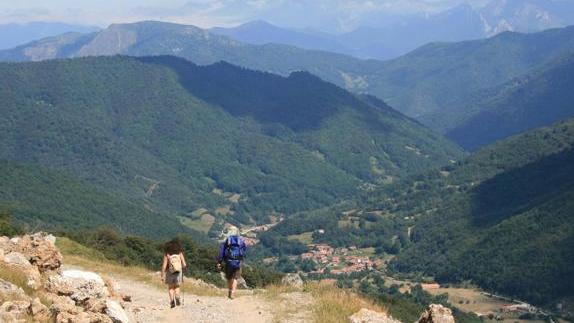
(232, 273)
(173, 279)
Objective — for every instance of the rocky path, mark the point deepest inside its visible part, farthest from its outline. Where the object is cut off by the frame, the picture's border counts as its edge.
(149, 304)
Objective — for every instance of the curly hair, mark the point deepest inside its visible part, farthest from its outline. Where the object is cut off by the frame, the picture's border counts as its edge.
(172, 247)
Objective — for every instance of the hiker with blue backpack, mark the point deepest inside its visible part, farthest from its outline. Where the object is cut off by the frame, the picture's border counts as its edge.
(231, 253)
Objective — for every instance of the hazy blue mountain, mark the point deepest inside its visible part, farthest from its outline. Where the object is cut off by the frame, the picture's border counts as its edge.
(12, 35)
(421, 83)
(261, 32)
(456, 24)
(173, 138)
(430, 78)
(381, 36)
(540, 98)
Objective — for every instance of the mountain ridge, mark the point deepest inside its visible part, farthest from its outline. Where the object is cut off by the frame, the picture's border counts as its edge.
(124, 123)
(414, 83)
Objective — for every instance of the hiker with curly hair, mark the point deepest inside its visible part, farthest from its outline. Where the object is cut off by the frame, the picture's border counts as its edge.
(172, 270)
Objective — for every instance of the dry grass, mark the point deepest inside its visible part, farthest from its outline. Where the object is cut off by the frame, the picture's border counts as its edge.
(330, 304)
(76, 255)
(305, 237)
(203, 223)
(470, 300)
(275, 291)
(335, 305)
(18, 278)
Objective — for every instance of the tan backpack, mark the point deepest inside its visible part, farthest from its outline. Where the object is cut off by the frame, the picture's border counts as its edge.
(174, 263)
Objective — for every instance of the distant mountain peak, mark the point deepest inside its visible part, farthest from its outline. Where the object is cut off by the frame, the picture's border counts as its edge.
(257, 23)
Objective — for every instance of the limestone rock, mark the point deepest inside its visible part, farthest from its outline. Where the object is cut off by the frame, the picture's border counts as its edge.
(66, 317)
(39, 311)
(436, 314)
(242, 283)
(40, 250)
(14, 311)
(369, 316)
(11, 291)
(62, 304)
(116, 312)
(78, 285)
(17, 259)
(83, 275)
(95, 305)
(292, 280)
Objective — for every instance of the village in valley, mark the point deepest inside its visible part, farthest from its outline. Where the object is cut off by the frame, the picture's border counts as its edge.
(339, 260)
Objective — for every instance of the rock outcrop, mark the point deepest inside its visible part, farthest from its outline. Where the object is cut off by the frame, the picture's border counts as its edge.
(292, 280)
(369, 316)
(69, 295)
(437, 314)
(433, 314)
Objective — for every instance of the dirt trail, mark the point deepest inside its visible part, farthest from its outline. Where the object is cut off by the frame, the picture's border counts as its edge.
(149, 304)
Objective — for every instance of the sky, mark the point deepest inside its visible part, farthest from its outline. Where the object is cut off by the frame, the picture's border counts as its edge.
(328, 15)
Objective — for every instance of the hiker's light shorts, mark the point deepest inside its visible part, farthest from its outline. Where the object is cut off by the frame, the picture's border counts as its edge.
(173, 279)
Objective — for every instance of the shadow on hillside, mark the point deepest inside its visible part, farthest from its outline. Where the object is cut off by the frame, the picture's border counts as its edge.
(301, 101)
(517, 190)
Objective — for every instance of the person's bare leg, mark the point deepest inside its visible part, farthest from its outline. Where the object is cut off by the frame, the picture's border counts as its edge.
(230, 288)
(176, 294)
(233, 285)
(171, 293)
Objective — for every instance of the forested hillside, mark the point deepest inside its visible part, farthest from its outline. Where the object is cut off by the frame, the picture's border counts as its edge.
(212, 144)
(422, 82)
(539, 98)
(52, 200)
(502, 218)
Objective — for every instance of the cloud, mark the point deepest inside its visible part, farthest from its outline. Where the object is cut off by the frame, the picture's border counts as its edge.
(332, 15)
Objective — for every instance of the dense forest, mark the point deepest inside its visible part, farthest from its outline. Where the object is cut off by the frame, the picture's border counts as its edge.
(500, 218)
(171, 138)
(421, 83)
(540, 98)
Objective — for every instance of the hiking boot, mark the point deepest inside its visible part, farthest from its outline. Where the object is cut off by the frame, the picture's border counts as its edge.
(172, 304)
(177, 301)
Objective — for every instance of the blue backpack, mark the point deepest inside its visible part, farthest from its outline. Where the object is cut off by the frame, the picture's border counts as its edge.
(234, 251)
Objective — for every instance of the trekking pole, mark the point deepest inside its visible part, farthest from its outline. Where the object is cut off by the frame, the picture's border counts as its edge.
(182, 291)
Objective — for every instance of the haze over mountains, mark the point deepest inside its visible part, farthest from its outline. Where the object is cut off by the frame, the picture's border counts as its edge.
(436, 83)
(12, 35)
(390, 37)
